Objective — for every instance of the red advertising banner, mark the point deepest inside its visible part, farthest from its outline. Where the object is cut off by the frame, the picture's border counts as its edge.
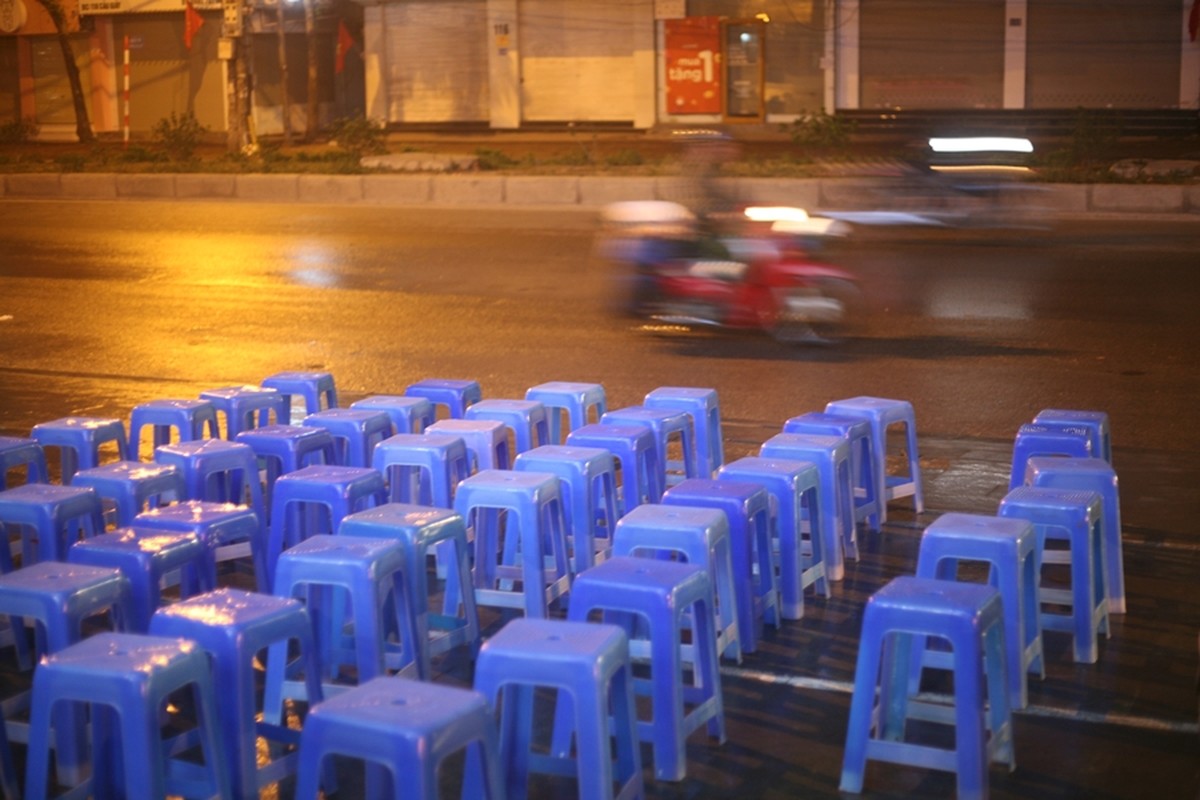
(693, 65)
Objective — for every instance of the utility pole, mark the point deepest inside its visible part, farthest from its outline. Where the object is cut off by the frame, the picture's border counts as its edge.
(228, 50)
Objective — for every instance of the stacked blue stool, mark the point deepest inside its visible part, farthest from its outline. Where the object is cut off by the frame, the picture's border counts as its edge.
(325, 571)
(408, 414)
(80, 441)
(747, 507)
(422, 531)
(526, 509)
(234, 627)
(355, 432)
(668, 425)
(1046, 440)
(643, 475)
(50, 518)
(704, 408)
(580, 403)
(882, 413)
(655, 600)
(588, 482)
(191, 419)
(588, 667)
(217, 471)
(450, 394)
(315, 500)
(831, 455)
(1090, 475)
(147, 557)
(281, 449)
(316, 390)
(403, 730)
(1095, 422)
(1073, 516)
(228, 531)
(126, 679)
(1009, 547)
(862, 457)
(423, 468)
(132, 486)
(18, 453)
(698, 536)
(969, 617)
(527, 419)
(486, 440)
(247, 407)
(795, 491)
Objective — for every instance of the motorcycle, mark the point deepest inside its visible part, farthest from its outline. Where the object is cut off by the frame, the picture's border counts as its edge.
(756, 269)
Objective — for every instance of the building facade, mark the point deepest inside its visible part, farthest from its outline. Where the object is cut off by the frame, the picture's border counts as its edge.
(510, 64)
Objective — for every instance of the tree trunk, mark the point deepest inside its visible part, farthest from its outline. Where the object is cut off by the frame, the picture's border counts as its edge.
(83, 125)
(283, 80)
(312, 123)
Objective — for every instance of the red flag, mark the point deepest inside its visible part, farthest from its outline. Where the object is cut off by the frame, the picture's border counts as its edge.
(344, 42)
(191, 24)
(1194, 20)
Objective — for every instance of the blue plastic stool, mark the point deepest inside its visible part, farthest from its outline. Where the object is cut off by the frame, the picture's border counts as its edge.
(217, 471)
(831, 455)
(17, 453)
(1096, 423)
(423, 468)
(146, 557)
(669, 425)
(79, 441)
(230, 532)
(59, 597)
(316, 390)
(655, 600)
(315, 500)
(862, 457)
(587, 666)
(191, 419)
(423, 530)
(533, 523)
(1073, 516)
(355, 432)
(970, 618)
(247, 407)
(486, 440)
(50, 518)
(408, 414)
(643, 475)
(704, 408)
(1094, 475)
(233, 627)
(747, 506)
(325, 571)
(286, 448)
(127, 678)
(527, 419)
(1009, 547)
(588, 482)
(795, 490)
(883, 413)
(1047, 440)
(403, 730)
(445, 393)
(580, 403)
(131, 486)
(699, 536)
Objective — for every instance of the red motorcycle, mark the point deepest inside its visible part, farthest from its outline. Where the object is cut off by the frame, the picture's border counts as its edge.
(754, 270)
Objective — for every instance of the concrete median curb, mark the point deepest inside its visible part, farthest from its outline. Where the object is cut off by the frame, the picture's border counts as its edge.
(587, 192)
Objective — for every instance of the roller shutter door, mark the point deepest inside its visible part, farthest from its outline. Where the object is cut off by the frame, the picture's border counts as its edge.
(437, 61)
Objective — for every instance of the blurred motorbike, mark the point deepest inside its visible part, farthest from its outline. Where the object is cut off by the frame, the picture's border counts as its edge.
(756, 268)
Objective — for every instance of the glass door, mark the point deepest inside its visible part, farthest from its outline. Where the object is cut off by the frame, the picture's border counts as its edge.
(743, 42)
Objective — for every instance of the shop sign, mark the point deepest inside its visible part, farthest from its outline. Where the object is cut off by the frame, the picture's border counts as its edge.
(93, 7)
(693, 46)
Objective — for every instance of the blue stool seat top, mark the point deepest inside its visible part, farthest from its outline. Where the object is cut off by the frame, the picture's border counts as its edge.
(229, 531)
(60, 596)
(130, 485)
(51, 517)
(486, 440)
(1047, 439)
(80, 439)
(970, 617)
(704, 408)
(450, 393)
(527, 419)
(247, 407)
(356, 432)
(423, 468)
(409, 414)
(587, 665)
(18, 452)
(1096, 423)
(287, 448)
(316, 388)
(883, 413)
(643, 473)
(667, 425)
(862, 457)
(581, 403)
(190, 418)
(404, 728)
